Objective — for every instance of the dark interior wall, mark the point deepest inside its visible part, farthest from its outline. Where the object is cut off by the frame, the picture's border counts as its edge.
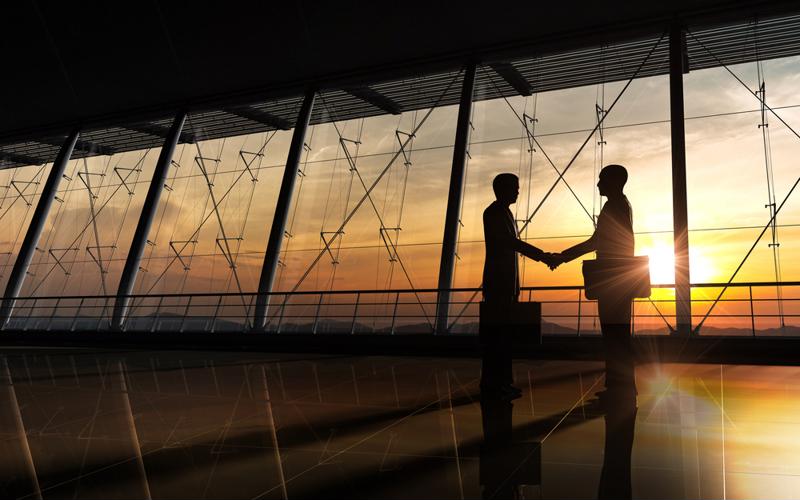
(67, 63)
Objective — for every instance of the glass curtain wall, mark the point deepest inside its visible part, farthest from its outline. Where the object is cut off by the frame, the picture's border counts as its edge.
(86, 237)
(210, 231)
(539, 136)
(20, 188)
(741, 164)
(89, 229)
(209, 234)
(367, 214)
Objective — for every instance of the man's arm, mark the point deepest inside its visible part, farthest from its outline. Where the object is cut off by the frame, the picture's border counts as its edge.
(495, 228)
(607, 224)
(529, 250)
(576, 251)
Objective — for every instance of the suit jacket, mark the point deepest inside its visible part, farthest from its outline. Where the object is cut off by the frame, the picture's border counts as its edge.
(500, 274)
(614, 233)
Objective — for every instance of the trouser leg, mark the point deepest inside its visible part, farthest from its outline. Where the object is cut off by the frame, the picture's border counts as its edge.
(618, 345)
(620, 370)
(506, 360)
(496, 338)
(491, 365)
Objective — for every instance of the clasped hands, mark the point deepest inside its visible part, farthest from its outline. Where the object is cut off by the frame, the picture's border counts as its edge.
(553, 260)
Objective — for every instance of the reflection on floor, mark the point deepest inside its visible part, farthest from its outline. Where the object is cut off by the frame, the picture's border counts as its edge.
(88, 424)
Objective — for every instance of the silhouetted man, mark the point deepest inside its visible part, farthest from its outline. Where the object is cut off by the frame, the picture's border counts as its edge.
(501, 282)
(613, 238)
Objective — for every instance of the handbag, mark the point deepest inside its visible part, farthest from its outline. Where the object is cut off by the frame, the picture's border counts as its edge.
(521, 322)
(620, 277)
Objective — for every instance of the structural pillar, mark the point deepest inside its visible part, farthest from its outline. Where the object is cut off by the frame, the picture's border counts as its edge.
(680, 225)
(134, 258)
(453, 214)
(26, 251)
(278, 229)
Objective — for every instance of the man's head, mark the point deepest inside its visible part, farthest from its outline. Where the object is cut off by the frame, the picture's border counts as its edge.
(612, 180)
(506, 188)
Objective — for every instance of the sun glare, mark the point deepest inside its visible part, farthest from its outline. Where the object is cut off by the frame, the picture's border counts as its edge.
(662, 265)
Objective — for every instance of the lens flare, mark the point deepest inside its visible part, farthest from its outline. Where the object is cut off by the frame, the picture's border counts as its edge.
(662, 265)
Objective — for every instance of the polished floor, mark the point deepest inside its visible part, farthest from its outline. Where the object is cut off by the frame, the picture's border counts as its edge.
(79, 423)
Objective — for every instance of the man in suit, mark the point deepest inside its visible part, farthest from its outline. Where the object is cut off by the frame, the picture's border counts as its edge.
(501, 282)
(613, 238)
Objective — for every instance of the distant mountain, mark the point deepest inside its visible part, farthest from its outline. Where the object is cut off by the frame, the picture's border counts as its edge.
(172, 322)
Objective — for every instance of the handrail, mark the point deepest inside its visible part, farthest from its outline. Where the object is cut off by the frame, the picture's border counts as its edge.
(390, 291)
(377, 311)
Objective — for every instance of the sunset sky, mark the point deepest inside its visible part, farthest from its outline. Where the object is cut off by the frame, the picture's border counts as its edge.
(726, 173)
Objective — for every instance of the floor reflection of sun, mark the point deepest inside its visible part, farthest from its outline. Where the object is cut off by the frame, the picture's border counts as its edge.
(740, 421)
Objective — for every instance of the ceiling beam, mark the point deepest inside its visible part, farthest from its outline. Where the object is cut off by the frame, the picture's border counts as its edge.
(377, 99)
(82, 145)
(260, 116)
(160, 131)
(509, 73)
(21, 159)
(91, 147)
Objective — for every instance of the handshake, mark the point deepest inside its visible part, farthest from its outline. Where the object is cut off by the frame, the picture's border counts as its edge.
(552, 260)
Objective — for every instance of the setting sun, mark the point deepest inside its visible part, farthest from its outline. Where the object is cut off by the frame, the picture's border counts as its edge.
(662, 265)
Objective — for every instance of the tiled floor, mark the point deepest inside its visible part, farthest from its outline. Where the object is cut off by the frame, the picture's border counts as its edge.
(86, 424)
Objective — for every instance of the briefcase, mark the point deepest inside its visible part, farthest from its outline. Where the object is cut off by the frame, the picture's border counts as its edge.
(618, 277)
(521, 322)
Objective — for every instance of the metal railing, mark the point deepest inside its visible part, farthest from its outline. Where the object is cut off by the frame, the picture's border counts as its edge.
(745, 309)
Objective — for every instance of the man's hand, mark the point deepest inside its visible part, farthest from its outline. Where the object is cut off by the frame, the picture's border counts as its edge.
(552, 260)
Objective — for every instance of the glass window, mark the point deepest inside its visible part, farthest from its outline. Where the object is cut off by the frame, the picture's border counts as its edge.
(20, 188)
(536, 138)
(368, 214)
(740, 167)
